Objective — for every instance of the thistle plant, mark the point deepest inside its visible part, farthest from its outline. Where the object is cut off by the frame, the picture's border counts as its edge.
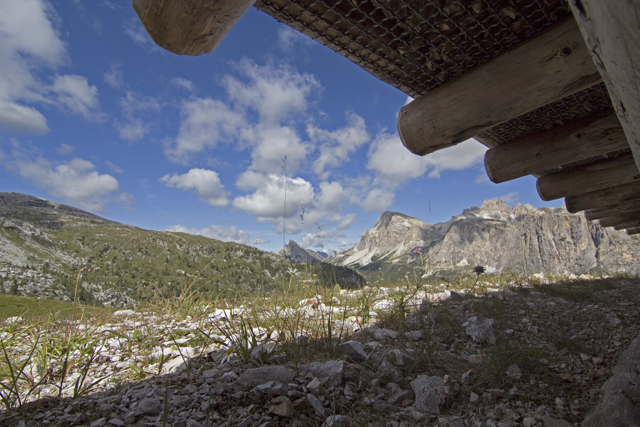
(478, 269)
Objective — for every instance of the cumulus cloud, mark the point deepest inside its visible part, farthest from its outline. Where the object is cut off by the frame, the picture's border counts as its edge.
(205, 122)
(288, 38)
(272, 143)
(274, 91)
(76, 95)
(29, 42)
(509, 198)
(114, 76)
(183, 83)
(206, 183)
(259, 239)
(378, 199)
(114, 168)
(133, 106)
(218, 232)
(396, 164)
(320, 239)
(336, 146)
(75, 181)
(64, 149)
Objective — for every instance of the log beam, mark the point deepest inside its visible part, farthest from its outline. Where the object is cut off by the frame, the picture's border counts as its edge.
(189, 27)
(620, 220)
(632, 231)
(613, 209)
(603, 198)
(546, 69)
(579, 140)
(583, 179)
(611, 30)
(630, 224)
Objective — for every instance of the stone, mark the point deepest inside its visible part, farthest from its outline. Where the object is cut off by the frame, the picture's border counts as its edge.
(314, 386)
(116, 422)
(553, 422)
(473, 398)
(256, 376)
(273, 388)
(150, 406)
(338, 421)
(353, 350)
(480, 331)
(315, 404)
(429, 392)
(514, 371)
(414, 335)
(528, 422)
(401, 358)
(101, 422)
(385, 334)
(330, 371)
(282, 406)
(262, 352)
(388, 372)
(401, 396)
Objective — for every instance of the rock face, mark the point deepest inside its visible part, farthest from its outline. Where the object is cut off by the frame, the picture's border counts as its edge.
(522, 240)
(293, 252)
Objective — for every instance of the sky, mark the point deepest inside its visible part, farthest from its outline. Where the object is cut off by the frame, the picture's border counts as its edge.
(270, 137)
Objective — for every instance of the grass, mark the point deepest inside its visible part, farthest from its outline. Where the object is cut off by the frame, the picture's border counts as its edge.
(301, 322)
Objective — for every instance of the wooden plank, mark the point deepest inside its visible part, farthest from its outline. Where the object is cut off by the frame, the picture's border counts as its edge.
(613, 209)
(632, 231)
(611, 30)
(603, 198)
(610, 221)
(630, 224)
(546, 69)
(551, 148)
(189, 27)
(583, 179)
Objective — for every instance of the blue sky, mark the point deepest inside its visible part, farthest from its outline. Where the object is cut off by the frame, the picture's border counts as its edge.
(95, 115)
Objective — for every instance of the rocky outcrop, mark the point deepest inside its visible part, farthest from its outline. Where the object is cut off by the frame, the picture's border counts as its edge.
(522, 240)
(293, 252)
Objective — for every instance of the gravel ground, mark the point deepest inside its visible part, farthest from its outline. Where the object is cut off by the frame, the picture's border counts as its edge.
(528, 356)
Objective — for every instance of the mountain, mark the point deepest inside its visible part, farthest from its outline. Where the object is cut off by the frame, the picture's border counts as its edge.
(53, 250)
(521, 240)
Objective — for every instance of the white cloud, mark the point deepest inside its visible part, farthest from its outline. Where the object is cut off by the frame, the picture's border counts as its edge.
(204, 123)
(396, 164)
(206, 184)
(134, 29)
(114, 168)
(183, 83)
(378, 199)
(64, 149)
(482, 178)
(347, 221)
(133, 105)
(28, 41)
(509, 198)
(275, 92)
(259, 239)
(218, 232)
(272, 143)
(76, 95)
(336, 146)
(75, 181)
(320, 239)
(288, 38)
(267, 194)
(114, 76)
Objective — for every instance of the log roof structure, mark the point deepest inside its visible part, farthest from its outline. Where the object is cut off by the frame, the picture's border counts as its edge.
(549, 86)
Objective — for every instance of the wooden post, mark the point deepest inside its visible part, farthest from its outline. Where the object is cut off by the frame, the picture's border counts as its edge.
(620, 220)
(583, 179)
(613, 209)
(546, 69)
(189, 27)
(611, 30)
(551, 148)
(603, 198)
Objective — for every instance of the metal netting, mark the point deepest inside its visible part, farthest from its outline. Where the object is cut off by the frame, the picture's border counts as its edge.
(418, 45)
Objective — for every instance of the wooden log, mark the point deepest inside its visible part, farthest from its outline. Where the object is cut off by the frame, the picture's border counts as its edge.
(546, 69)
(611, 30)
(551, 148)
(583, 179)
(632, 231)
(613, 209)
(189, 27)
(630, 224)
(603, 198)
(610, 221)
